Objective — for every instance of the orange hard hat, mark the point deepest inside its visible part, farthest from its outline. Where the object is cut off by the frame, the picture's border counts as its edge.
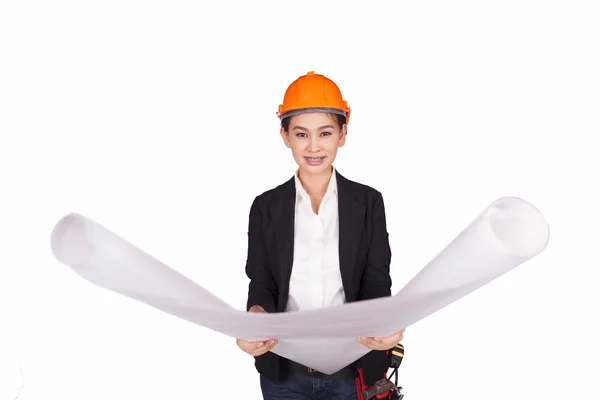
(313, 93)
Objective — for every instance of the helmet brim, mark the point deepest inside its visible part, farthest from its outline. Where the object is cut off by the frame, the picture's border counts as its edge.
(299, 111)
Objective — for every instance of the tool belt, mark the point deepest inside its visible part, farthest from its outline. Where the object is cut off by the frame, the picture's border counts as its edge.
(383, 389)
(299, 369)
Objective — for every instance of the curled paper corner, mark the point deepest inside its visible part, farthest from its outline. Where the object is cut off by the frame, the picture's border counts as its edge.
(69, 241)
(519, 226)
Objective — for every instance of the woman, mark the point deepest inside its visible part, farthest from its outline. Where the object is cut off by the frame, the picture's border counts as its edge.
(317, 240)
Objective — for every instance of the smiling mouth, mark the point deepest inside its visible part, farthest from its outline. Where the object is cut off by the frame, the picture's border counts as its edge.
(314, 160)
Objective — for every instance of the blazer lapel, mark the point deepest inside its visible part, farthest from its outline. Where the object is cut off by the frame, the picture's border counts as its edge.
(283, 218)
(351, 223)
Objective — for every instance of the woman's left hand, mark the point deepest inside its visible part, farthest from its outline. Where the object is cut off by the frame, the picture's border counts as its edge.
(382, 343)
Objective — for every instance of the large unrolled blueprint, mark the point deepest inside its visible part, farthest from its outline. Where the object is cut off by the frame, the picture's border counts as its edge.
(507, 233)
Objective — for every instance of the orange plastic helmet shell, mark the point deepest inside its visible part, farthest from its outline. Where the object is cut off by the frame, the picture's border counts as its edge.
(313, 93)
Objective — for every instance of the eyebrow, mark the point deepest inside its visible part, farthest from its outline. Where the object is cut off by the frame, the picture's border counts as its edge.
(322, 127)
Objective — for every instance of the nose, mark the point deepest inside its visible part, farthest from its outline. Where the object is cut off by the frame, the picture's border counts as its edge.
(313, 146)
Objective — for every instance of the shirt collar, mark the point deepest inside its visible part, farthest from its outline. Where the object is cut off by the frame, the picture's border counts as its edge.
(331, 187)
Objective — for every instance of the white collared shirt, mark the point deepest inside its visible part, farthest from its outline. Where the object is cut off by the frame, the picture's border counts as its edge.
(316, 281)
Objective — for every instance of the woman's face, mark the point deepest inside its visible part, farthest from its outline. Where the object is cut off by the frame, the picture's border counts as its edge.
(314, 139)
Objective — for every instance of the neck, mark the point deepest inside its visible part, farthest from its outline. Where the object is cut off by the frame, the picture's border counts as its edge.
(315, 183)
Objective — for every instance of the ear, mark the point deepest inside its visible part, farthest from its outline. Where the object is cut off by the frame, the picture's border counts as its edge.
(343, 133)
(285, 137)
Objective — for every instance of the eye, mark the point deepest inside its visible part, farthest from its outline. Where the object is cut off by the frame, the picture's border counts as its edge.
(301, 134)
(326, 133)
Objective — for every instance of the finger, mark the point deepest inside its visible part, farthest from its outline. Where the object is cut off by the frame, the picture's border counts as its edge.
(377, 343)
(258, 345)
(374, 346)
(263, 349)
(270, 343)
(250, 345)
(369, 342)
(384, 342)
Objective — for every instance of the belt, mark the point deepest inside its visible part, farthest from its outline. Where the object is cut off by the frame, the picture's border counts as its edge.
(299, 369)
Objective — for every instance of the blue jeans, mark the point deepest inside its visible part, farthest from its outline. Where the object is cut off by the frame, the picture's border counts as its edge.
(298, 387)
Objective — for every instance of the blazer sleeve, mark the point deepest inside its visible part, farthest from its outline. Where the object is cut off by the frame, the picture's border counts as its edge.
(262, 289)
(376, 280)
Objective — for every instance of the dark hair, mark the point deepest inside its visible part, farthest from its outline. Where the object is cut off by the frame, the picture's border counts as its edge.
(341, 120)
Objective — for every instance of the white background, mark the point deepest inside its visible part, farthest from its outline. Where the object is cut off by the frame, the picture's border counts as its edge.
(157, 119)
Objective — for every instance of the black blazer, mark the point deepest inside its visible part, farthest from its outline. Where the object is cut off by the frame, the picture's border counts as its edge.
(364, 252)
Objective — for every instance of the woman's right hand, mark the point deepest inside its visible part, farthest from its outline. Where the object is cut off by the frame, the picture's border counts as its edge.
(256, 348)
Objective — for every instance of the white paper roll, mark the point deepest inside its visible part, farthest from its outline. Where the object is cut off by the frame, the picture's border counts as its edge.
(508, 232)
